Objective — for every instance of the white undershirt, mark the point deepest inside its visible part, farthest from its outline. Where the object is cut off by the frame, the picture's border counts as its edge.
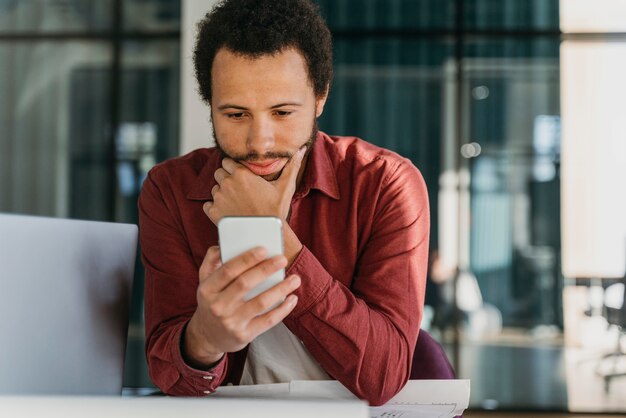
(278, 356)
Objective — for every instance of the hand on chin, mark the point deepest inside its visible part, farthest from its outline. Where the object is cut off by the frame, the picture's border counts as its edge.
(240, 192)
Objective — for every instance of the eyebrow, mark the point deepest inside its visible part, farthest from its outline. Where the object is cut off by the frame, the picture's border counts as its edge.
(276, 106)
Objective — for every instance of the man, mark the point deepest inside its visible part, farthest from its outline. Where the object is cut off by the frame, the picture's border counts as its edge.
(355, 220)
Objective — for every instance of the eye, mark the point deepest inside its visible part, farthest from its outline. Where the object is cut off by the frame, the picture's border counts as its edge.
(235, 116)
(282, 113)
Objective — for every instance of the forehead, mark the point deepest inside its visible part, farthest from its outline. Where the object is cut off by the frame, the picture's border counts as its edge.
(234, 73)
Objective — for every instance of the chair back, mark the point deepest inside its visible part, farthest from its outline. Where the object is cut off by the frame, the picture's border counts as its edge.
(429, 360)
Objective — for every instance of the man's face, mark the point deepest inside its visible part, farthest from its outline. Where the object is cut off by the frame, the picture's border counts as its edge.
(263, 109)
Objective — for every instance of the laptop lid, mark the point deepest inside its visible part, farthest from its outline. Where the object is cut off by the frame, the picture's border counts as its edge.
(65, 288)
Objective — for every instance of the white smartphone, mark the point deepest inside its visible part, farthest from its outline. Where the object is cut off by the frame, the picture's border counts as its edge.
(238, 234)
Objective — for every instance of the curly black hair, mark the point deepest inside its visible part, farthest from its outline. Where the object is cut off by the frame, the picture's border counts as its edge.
(260, 27)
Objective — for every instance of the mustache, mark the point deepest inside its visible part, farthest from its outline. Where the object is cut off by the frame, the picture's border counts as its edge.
(253, 156)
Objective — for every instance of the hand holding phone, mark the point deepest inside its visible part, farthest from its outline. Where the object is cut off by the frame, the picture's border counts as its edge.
(228, 315)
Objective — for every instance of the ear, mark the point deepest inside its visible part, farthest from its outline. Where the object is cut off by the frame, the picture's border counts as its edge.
(320, 102)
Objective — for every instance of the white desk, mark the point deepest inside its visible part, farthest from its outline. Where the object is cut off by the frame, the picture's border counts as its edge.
(165, 407)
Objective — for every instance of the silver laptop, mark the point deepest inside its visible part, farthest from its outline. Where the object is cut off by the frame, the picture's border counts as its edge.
(65, 289)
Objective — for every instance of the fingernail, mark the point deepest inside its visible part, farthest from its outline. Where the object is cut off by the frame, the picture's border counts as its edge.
(295, 280)
(292, 300)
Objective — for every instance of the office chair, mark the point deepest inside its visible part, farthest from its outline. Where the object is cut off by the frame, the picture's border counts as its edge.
(615, 314)
(429, 360)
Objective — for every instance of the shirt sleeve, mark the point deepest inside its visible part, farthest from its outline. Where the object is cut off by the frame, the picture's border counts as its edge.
(171, 280)
(364, 336)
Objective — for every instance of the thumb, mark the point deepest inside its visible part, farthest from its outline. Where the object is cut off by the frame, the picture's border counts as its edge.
(291, 169)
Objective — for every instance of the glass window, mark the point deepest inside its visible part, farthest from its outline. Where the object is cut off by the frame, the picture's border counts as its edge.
(54, 15)
(148, 115)
(511, 14)
(55, 108)
(151, 15)
(388, 14)
(511, 113)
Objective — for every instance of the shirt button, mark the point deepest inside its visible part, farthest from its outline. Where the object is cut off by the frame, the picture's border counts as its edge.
(207, 377)
(207, 392)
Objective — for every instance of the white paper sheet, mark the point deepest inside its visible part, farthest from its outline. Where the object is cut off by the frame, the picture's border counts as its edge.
(278, 390)
(418, 399)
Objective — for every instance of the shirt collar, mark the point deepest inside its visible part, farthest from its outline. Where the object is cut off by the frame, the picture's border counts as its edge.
(319, 174)
(204, 182)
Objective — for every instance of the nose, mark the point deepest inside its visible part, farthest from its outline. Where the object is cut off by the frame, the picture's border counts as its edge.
(261, 136)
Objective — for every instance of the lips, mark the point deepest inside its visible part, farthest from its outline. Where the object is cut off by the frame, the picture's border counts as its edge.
(264, 168)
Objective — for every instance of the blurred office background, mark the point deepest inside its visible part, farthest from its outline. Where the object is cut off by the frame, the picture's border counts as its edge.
(510, 108)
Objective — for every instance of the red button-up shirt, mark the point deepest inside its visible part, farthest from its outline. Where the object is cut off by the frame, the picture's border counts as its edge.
(361, 213)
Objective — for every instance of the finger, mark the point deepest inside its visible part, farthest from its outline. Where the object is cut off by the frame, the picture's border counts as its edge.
(214, 190)
(210, 211)
(220, 174)
(230, 165)
(271, 297)
(290, 172)
(235, 267)
(211, 262)
(239, 288)
(263, 322)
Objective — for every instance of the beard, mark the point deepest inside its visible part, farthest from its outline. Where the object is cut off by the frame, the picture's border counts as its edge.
(254, 156)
